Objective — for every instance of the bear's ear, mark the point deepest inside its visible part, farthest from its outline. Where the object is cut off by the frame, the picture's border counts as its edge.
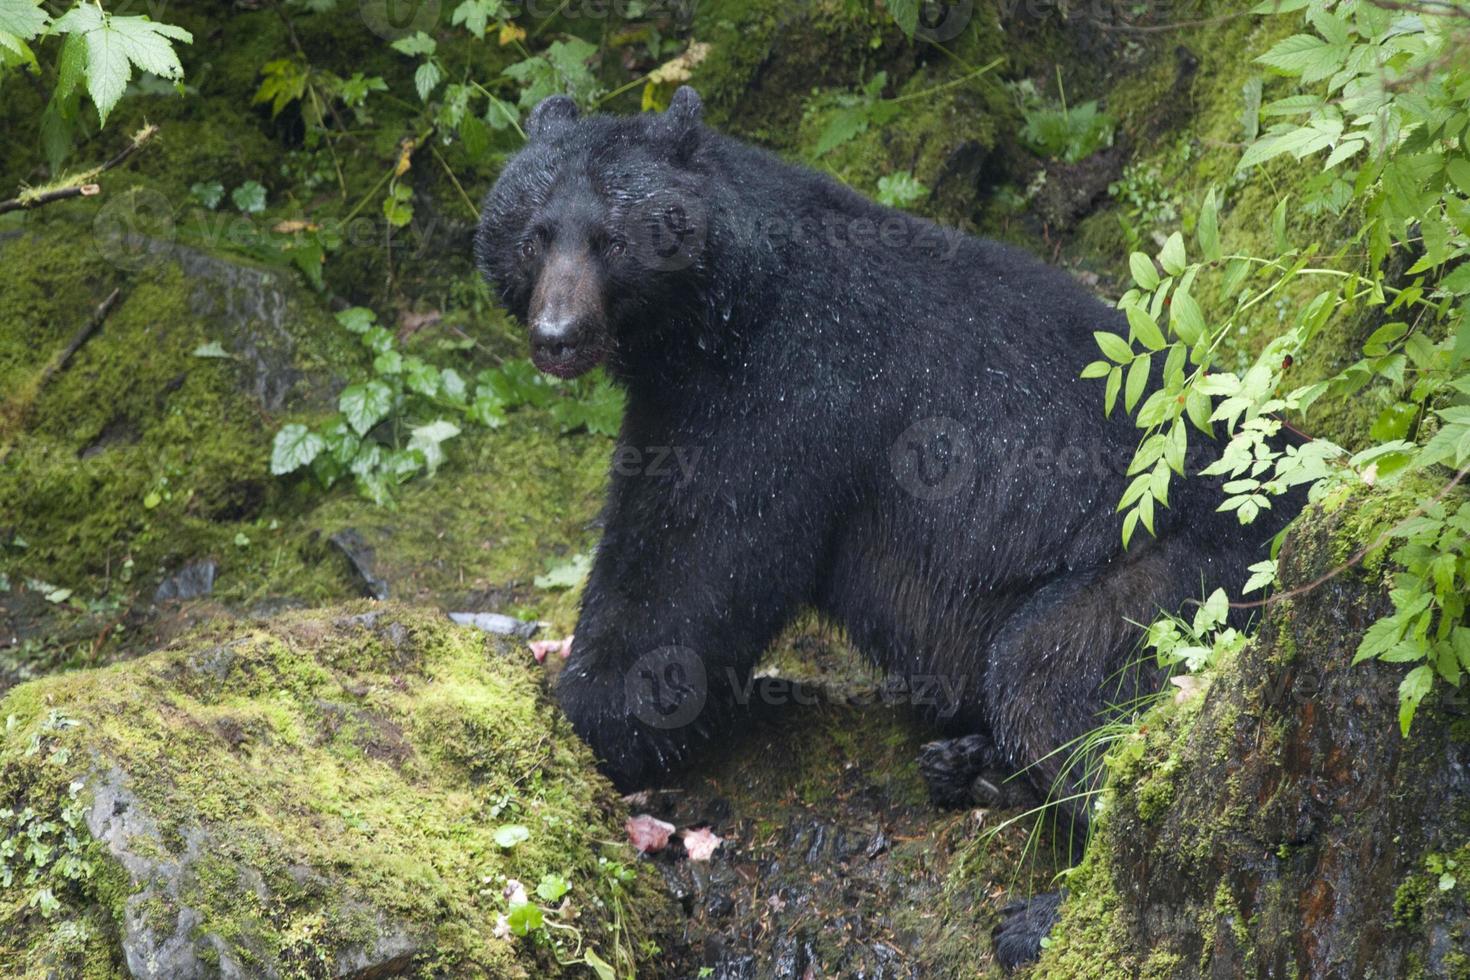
(681, 122)
(551, 115)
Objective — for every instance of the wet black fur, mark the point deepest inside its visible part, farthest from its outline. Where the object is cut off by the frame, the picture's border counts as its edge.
(794, 368)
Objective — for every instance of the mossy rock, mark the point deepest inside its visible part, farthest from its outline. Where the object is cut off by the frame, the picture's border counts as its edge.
(137, 447)
(1278, 824)
(319, 796)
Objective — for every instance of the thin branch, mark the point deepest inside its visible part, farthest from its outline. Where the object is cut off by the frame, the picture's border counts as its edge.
(83, 184)
(1361, 553)
(12, 414)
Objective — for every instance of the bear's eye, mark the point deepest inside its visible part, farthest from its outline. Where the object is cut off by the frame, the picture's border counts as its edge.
(616, 248)
(528, 248)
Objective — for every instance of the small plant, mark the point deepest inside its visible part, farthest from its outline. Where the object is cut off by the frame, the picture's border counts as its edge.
(1060, 132)
(900, 190)
(543, 917)
(46, 854)
(393, 426)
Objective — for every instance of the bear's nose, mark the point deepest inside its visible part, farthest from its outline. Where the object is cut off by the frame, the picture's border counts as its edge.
(554, 342)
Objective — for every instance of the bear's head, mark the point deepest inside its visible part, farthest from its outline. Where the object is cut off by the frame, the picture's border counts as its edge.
(593, 230)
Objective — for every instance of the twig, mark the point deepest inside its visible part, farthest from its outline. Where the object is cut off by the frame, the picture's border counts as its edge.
(47, 197)
(1361, 552)
(81, 336)
(83, 184)
(12, 415)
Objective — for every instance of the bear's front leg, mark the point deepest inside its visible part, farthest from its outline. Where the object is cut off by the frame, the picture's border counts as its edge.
(682, 601)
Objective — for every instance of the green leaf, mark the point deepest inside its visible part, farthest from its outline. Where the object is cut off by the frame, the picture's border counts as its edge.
(115, 45)
(510, 834)
(365, 405)
(1114, 347)
(1144, 329)
(1412, 690)
(1303, 54)
(417, 43)
(900, 190)
(1143, 271)
(23, 19)
(1137, 381)
(1172, 256)
(526, 918)
(295, 446)
(475, 15)
(426, 79)
(552, 888)
(1097, 369)
(212, 349)
(566, 575)
(1459, 171)
(601, 967)
(1110, 392)
(1207, 229)
(357, 319)
(1186, 318)
(429, 440)
(905, 14)
(249, 197)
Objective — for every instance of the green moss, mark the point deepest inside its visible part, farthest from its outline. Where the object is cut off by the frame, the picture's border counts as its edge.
(324, 780)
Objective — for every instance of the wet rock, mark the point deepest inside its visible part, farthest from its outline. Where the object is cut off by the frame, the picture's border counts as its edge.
(1278, 824)
(194, 580)
(496, 623)
(363, 561)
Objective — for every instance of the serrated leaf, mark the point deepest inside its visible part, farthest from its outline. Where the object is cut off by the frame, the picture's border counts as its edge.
(429, 440)
(426, 79)
(365, 405)
(415, 44)
(357, 319)
(115, 44)
(1415, 685)
(475, 15)
(23, 19)
(295, 446)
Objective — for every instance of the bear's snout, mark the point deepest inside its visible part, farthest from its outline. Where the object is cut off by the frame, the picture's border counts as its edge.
(568, 324)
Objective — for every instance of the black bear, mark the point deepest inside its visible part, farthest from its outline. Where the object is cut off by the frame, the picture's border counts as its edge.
(886, 424)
